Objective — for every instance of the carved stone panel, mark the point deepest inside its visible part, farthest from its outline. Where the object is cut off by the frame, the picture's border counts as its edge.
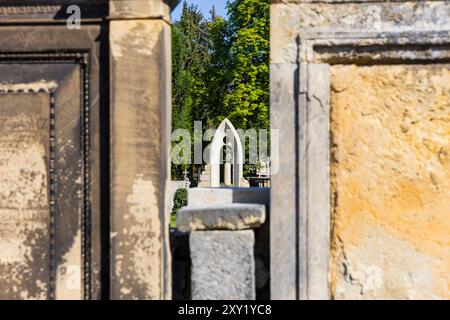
(364, 79)
(45, 200)
(25, 215)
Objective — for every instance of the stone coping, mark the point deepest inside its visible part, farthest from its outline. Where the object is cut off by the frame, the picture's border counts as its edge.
(236, 216)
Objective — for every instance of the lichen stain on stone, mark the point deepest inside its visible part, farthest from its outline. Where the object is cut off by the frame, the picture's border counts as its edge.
(68, 278)
(143, 243)
(386, 267)
(390, 130)
(28, 276)
(134, 36)
(24, 209)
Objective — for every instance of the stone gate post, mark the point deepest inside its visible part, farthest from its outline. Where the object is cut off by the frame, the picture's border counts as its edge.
(356, 91)
(140, 67)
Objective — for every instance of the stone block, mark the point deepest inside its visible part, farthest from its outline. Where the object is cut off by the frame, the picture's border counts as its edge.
(141, 9)
(237, 216)
(210, 196)
(204, 196)
(223, 265)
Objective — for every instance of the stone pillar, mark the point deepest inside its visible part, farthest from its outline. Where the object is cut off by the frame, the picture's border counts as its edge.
(227, 175)
(140, 108)
(222, 249)
(360, 169)
(223, 265)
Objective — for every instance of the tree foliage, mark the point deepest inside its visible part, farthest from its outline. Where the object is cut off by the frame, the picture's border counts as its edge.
(221, 67)
(190, 57)
(246, 103)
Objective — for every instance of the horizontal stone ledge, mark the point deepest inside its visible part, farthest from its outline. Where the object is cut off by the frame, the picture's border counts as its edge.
(235, 216)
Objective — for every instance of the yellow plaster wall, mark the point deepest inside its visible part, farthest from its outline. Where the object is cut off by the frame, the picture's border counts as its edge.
(390, 181)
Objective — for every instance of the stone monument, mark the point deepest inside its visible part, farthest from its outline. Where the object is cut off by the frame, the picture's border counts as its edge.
(357, 88)
(226, 148)
(84, 149)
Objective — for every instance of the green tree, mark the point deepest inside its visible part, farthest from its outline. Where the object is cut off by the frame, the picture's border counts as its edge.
(246, 103)
(221, 68)
(218, 71)
(190, 57)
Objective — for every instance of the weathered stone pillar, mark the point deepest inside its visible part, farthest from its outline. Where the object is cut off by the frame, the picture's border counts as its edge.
(222, 249)
(140, 73)
(227, 175)
(357, 207)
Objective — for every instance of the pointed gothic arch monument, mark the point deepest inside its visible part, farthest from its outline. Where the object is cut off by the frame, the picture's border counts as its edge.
(226, 139)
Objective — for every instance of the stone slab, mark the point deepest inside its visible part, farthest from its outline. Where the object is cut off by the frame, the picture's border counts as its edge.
(204, 196)
(236, 216)
(223, 266)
